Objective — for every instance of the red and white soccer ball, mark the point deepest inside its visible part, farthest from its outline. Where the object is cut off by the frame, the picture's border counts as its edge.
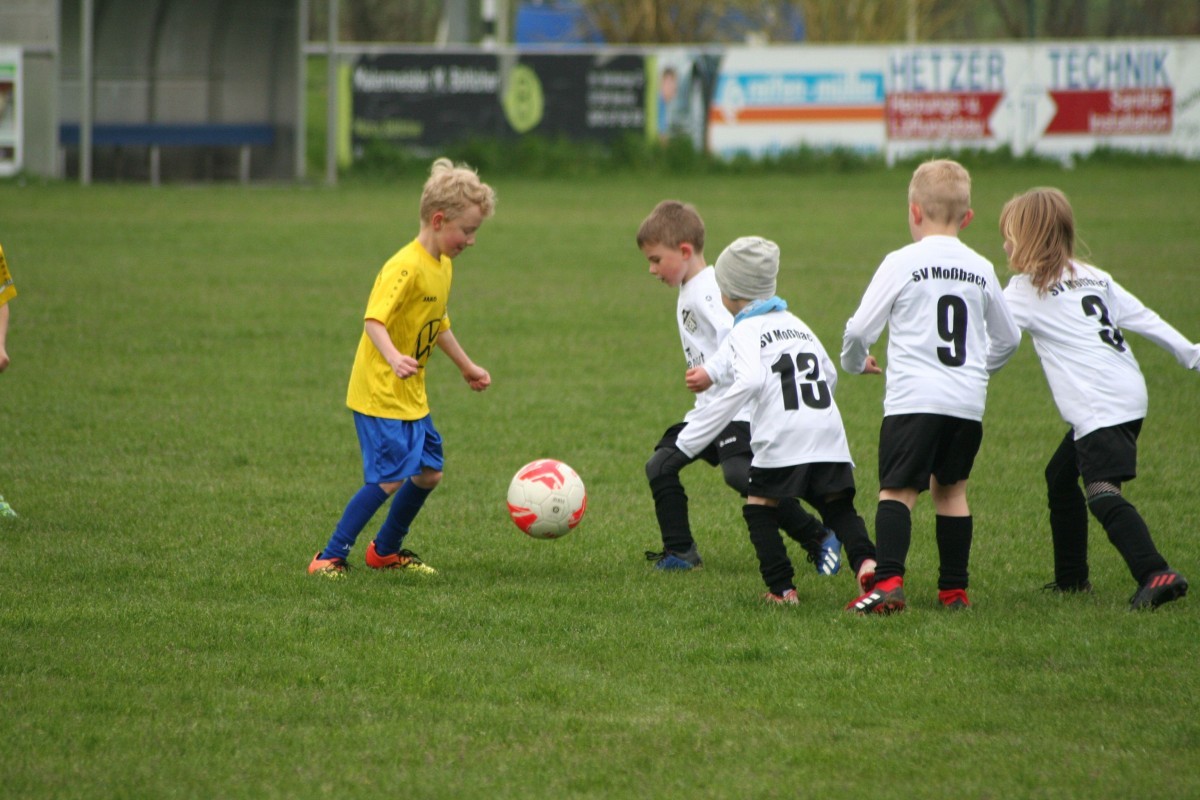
(546, 499)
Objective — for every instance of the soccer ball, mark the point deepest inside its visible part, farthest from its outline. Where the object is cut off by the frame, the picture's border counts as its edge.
(546, 499)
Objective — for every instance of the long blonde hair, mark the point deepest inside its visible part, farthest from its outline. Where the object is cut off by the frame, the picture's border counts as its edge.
(1039, 226)
(453, 189)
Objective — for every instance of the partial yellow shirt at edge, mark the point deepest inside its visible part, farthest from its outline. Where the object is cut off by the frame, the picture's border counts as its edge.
(8, 290)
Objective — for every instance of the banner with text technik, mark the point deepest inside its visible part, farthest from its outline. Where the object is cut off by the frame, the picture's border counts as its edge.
(1055, 98)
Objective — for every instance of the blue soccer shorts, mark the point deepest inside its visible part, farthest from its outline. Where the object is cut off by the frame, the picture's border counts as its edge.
(396, 449)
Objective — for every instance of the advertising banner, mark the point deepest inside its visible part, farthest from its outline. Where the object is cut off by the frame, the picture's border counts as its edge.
(427, 100)
(10, 111)
(1057, 99)
(1141, 95)
(780, 98)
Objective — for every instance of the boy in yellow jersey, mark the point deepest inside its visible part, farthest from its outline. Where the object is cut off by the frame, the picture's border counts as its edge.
(406, 316)
(7, 292)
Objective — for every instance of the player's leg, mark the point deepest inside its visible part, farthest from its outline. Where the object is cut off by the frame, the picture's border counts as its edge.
(671, 505)
(372, 433)
(954, 530)
(839, 515)
(762, 521)
(1107, 458)
(423, 462)
(957, 446)
(1068, 519)
(822, 546)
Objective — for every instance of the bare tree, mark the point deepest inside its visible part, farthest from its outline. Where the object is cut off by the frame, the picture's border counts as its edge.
(1063, 19)
(379, 20)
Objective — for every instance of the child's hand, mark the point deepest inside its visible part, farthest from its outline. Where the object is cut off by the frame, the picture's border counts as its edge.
(404, 366)
(477, 378)
(871, 367)
(697, 379)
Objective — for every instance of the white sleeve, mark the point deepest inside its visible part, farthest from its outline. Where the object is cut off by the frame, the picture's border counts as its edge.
(1004, 335)
(710, 420)
(1129, 313)
(720, 365)
(864, 328)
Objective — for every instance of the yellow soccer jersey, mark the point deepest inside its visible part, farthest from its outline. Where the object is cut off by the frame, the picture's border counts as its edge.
(409, 298)
(7, 290)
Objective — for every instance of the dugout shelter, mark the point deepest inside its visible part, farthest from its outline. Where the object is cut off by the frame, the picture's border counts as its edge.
(174, 90)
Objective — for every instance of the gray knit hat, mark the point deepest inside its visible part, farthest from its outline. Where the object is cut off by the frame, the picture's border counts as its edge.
(746, 269)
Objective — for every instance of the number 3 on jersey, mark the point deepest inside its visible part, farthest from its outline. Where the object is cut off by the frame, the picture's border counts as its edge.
(813, 390)
(1110, 334)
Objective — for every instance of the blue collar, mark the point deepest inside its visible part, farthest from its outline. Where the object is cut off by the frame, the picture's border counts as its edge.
(757, 307)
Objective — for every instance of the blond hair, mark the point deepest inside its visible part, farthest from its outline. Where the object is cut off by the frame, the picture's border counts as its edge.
(942, 190)
(671, 224)
(453, 189)
(1039, 227)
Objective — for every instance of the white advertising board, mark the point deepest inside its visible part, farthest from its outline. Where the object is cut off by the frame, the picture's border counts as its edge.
(10, 111)
(1055, 99)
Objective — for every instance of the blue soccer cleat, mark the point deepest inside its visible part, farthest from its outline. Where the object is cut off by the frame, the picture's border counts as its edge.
(828, 559)
(669, 560)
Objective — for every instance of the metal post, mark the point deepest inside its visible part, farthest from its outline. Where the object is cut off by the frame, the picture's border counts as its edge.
(331, 106)
(300, 138)
(488, 12)
(87, 25)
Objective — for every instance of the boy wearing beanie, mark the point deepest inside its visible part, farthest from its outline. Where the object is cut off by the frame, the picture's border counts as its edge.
(777, 366)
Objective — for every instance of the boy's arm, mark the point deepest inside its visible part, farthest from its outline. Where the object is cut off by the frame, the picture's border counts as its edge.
(863, 329)
(3, 337)
(1131, 314)
(476, 376)
(403, 366)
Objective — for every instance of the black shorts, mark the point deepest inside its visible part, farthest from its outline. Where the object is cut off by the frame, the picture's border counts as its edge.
(733, 441)
(811, 483)
(912, 447)
(1109, 454)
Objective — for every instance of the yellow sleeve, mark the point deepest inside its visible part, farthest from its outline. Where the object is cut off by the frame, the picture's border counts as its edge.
(7, 290)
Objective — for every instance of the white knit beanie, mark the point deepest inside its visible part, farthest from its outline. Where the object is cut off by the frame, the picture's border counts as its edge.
(746, 270)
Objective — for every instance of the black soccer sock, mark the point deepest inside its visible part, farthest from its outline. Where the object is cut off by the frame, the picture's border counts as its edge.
(1128, 532)
(801, 526)
(851, 529)
(671, 508)
(893, 535)
(773, 562)
(954, 550)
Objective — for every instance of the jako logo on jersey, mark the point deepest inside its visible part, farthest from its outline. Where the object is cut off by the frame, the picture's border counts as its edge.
(430, 299)
(426, 339)
(724, 442)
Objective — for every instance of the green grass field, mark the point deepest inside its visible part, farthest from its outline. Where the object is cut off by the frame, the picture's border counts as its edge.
(175, 441)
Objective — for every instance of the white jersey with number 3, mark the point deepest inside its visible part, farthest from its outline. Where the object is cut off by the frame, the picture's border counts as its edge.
(948, 328)
(781, 370)
(1076, 327)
